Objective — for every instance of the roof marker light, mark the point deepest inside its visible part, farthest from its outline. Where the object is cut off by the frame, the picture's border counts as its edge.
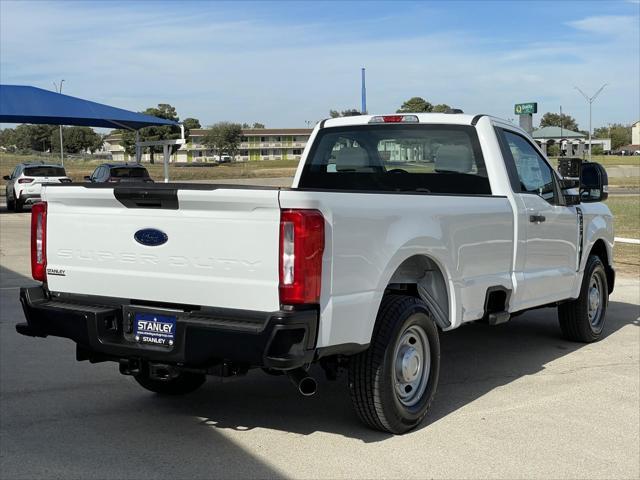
(394, 119)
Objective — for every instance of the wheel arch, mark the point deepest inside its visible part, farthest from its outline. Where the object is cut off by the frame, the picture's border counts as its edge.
(422, 276)
(600, 250)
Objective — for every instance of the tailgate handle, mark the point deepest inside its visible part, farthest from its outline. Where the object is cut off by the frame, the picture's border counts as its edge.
(144, 197)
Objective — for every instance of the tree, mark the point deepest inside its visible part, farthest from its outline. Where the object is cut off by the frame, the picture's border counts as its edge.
(233, 137)
(441, 108)
(33, 137)
(415, 105)
(8, 139)
(567, 122)
(223, 137)
(258, 125)
(213, 138)
(77, 140)
(190, 124)
(350, 112)
(155, 133)
(619, 134)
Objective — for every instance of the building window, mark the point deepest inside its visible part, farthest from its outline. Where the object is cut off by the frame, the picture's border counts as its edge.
(244, 153)
(243, 139)
(294, 139)
(278, 139)
(297, 151)
(277, 151)
(264, 152)
(263, 139)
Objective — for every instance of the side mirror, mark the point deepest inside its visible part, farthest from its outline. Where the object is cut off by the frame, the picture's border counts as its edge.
(569, 169)
(87, 178)
(594, 183)
(6, 177)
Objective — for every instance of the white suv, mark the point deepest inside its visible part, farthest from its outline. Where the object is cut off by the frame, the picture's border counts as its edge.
(25, 182)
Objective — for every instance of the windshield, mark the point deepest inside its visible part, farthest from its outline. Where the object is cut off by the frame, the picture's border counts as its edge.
(45, 172)
(415, 158)
(124, 172)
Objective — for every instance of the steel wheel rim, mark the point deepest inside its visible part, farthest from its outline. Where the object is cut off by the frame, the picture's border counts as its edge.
(595, 300)
(411, 365)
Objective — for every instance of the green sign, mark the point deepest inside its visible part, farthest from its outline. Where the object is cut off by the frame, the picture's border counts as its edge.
(526, 108)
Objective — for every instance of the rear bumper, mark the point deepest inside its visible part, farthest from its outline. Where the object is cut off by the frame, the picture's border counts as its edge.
(29, 198)
(281, 340)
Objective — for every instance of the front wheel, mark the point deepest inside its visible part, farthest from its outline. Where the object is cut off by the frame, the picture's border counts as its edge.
(582, 319)
(183, 383)
(394, 381)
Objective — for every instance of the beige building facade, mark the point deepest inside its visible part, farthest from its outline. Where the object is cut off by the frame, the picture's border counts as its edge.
(261, 144)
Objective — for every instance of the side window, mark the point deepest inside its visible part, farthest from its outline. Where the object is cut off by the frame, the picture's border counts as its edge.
(96, 173)
(535, 175)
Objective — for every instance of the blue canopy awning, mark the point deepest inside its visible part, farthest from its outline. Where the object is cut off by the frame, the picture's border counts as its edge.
(24, 104)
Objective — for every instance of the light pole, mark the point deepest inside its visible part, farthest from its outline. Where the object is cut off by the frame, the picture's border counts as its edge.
(590, 100)
(61, 145)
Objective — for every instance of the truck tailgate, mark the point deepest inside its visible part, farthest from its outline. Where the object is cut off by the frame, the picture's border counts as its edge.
(221, 245)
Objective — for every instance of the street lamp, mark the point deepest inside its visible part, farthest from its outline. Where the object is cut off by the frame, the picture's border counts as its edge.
(590, 100)
(61, 146)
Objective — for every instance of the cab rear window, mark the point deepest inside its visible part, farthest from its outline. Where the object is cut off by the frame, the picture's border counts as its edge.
(444, 159)
(45, 172)
(126, 172)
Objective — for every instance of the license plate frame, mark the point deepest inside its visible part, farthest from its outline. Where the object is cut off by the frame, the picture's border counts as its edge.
(155, 328)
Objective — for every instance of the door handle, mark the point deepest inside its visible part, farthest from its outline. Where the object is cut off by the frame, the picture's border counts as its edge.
(537, 218)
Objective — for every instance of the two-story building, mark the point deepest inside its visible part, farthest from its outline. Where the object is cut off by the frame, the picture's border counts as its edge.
(256, 144)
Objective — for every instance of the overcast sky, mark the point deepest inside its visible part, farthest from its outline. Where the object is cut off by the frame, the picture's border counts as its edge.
(282, 63)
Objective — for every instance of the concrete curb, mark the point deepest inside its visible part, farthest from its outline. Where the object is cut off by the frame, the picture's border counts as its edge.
(633, 241)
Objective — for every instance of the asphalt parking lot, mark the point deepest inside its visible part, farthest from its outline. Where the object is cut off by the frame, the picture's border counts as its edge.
(515, 401)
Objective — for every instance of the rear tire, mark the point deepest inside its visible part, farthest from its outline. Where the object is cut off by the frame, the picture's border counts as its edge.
(11, 204)
(185, 382)
(17, 204)
(394, 381)
(582, 319)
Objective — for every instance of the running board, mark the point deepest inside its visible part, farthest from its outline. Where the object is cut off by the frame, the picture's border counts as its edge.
(497, 318)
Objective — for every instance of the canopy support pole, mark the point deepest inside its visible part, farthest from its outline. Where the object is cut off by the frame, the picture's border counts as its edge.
(166, 149)
(138, 147)
(167, 146)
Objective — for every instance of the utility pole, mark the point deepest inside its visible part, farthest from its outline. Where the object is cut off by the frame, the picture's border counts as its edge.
(61, 145)
(363, 108)
(561, 131)
(590, 100)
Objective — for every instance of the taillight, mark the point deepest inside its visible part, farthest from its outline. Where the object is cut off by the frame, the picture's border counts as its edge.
(26, 180)
(301, 247)
(39, 241)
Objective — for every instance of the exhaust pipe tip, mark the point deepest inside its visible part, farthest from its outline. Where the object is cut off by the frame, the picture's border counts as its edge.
(306, 385)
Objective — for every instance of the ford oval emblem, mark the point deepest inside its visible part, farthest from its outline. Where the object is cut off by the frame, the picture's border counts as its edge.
(150, 237)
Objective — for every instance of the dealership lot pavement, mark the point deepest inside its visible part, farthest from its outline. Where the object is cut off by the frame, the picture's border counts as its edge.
(515, 401)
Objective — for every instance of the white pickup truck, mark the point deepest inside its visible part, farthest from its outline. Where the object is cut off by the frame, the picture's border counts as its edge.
(396, 228)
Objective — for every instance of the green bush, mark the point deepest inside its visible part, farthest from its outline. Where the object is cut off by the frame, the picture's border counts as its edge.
(553, 150)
